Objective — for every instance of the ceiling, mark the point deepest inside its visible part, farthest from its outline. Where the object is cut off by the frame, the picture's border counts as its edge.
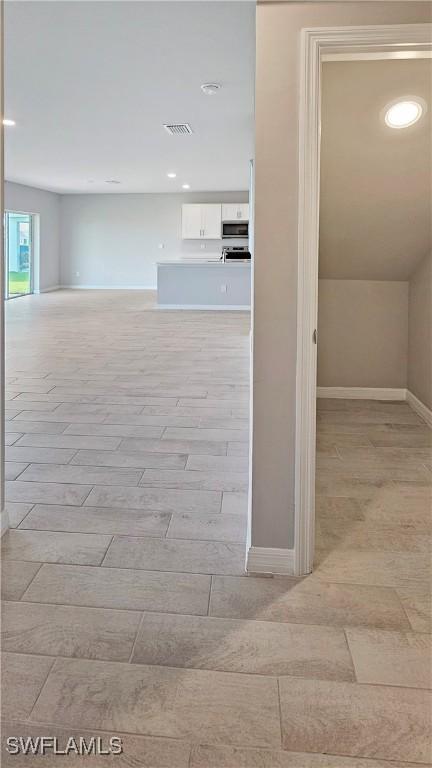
(375, 209)
(90, 85)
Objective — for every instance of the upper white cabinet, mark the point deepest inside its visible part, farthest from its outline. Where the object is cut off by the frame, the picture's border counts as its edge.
(201, 221)
(235, 211)
(212, 220)
(191, 221)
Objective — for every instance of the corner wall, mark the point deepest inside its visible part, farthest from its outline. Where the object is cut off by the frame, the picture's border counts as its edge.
(276, 247)
(19, 197)
(420, 332)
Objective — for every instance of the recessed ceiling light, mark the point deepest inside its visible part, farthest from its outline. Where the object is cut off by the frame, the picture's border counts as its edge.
(112, 181)
(6, 121)
(210, 88)
(185, 186)
(404, 112)
(171, 175)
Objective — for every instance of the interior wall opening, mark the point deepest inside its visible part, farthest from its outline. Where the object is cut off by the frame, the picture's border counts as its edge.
(19, 234)
(375, 249)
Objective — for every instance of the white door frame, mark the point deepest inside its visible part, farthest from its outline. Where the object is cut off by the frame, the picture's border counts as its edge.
(317, 44)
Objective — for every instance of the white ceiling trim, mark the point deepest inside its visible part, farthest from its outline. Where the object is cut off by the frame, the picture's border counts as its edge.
(377, 55)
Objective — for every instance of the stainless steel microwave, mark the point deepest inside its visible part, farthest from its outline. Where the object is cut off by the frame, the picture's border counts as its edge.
(235, 229)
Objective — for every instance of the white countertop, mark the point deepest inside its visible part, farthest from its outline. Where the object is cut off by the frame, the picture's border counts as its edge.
(203, 263)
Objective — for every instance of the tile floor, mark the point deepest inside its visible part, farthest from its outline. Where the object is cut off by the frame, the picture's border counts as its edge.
(126, 607)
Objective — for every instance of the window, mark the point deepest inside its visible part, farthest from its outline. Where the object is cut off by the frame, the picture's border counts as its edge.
(18, 250)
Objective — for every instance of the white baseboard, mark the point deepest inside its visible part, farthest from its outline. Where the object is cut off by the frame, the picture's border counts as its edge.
(270, 560)
(378, 393)
(49, 289)
(225, 307)
(4, 522)
(110, 287)
(362, 393)
(420, 408)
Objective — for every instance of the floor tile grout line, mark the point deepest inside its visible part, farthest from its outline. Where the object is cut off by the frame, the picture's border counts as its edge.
(31, 580)
(230, 574)
(20, 435)
(140, 624)
(404, 611)
(12, 398)
(125, 470)
(191, 755)
(280, 712)
(87, 496)
(20, 473)
(70, 462)
(350, 653)
(158, 736)
(108, 607)
(143, 471)
(267, 675)
(42, 687)
(339, 629)
(209, 595)
(165, 536)
(227, 619)
(419, 584)
(32, 506)
(276, 677)
(119, 568)
(106, 551)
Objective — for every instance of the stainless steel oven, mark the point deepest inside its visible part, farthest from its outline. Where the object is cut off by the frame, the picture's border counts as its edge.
(235, 229)
(236, 253)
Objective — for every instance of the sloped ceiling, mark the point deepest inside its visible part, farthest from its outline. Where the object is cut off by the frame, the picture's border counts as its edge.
(375, 214)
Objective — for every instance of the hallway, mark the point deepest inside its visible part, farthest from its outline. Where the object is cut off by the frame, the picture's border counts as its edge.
(127, 611)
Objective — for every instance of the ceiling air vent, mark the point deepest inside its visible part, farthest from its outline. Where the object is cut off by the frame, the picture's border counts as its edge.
(178, 129)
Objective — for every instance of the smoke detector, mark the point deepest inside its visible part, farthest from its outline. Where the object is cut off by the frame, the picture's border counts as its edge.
(210, 88)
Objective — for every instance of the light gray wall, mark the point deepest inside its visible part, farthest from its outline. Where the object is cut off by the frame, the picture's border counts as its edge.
(200, 285)
(4, 521)
(276, 247)
(362, 333)
(19, 197)
(112, 239)
(420, 332)
(372, 226)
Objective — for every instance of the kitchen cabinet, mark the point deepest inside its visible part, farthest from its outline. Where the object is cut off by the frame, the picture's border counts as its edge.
(201, 221)
(235, 211)
(204, 285)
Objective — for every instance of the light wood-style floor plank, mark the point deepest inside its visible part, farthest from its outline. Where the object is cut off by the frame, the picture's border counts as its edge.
(127, 608)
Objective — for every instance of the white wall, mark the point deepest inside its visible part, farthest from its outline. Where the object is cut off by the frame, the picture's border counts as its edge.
(19, 197)
(362, 333)
(112, 239)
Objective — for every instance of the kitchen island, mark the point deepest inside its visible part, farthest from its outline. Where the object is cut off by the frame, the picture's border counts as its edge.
(199, 284)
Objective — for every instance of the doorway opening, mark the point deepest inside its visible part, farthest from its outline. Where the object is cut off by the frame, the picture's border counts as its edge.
(19, 254)
(319, 45)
